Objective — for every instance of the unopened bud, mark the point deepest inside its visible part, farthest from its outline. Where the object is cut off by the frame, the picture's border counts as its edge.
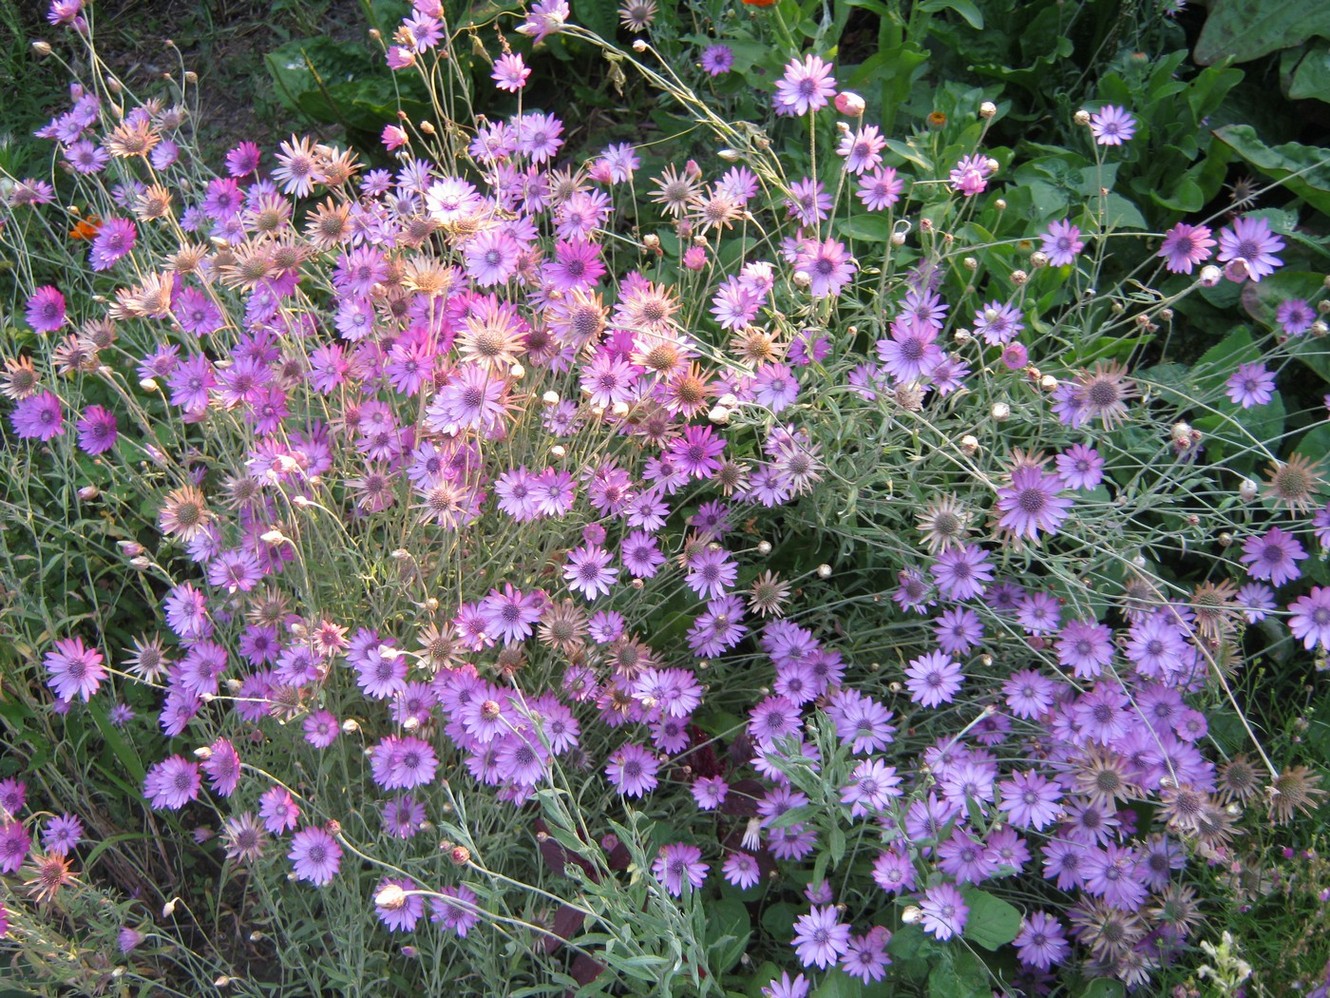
(391, 897)
(89, 492)
(459, 855)
(559, 451)
(1081, 117)
(850, 104)
(1247, 490)
(987, 109)
(41, 48)
(350, 726)
(1019, 277)
(729, 155)
(764, 547)
(969, 445)
(1210, 276)
(1000, 411)
(824, 571)
(148, 384)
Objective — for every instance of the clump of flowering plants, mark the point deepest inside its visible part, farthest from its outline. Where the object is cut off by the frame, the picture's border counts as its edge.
(820, 577)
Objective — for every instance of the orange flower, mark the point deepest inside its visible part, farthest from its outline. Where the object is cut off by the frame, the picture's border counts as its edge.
(86, 228)
(760, 3)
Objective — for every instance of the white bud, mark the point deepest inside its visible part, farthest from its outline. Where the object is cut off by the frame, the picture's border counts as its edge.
(802, 279)
(729, 155)
(350, 726)
(764, 547)
(1048, 382)
(1000, 411)
(987, 109)
(517, 371)
(148, 384)
(912, 914)
(391, 897)
(550, 399)
(824, 571)
(1081, 117)
(719, 414)
(1210, 276)
(1247, 490)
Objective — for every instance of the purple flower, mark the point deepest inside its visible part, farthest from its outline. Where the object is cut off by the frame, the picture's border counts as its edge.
(998, 322)
(808, 202)
(1085, 646)
(880, 189)
(786, 988)
(1030, 801)
(279, 810)
(114, 240)
(962, 572)
(933, 678)
(632, 770)
(1112, 125)
(1184, 247)
(97, 430)
(741, 870)
(38, 417)
(1251, 385)
(828, 266)
(589, 572)
(402, 816)
(75, 669)
(1295, 316)
(944, 911)
(872, 787)
(222, 767)
(1041, 942)
(677, 863)
(893, 871)
(172, 783)
(717, 60)
(867, 957)
(1061, 243)
(62, 833)
(1248, 242)
(456, 909)
(819, 938)
(806, 86)
(1080, 467)
(510, 72)
(1273, 556)
(315, 856)
(1309, 618)
(1031, 503)
(15, 841)
(46, 309)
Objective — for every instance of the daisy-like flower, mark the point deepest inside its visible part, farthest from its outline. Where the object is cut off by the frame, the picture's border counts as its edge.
(1273, 556)
(933, 678)
(1248, 242)
(1061, 243)
(962, 573)
(1112, 125)
(717, 60)
(1294, 482)
(1030, 801)
(880, 189)
(38, 417)
(867, 957)
(783, 987)
(819, 937)
(944, 911)
(315, 856)
(46, 309)
(243, 838)
(297, 166)
(741, 870)
(1104, 393)
(632, 770)
(1031, 504)
(1251, 385)
(62, 833)
(862, 150)
(172, 783)
(829, 267)
(1080, 467)
(510, 72)
(806, 86)
(678, 863)
(1184, 247)
(1041, 942)
(75, 669)
(1295, 316)
(589, 571)
(278, 810)
(185, 514)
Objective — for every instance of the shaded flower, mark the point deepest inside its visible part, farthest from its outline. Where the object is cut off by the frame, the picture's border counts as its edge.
(1249, 242)
(1184, 247)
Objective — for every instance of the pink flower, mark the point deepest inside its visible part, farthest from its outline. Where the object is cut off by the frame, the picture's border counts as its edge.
(806, 86)
(46, 309)
(1184, 247)
(1112, 126)
(75, 669)
(510, 72)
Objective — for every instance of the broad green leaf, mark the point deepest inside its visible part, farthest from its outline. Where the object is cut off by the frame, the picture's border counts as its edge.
(728, 931)
(992, 922)
(1249, 29)
(974, 17)
(1103, 987)
(1310, 72)
(1304, 170)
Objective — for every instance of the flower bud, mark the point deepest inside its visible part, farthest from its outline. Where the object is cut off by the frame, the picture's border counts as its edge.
(824, 571)
(459, 855)
(729, 155)
(987, 109)
(1210, 276)
(148, 384)
(1247, 490)
(1038, 259)
(89, 492)
(41, 48)
(969, 445)
(970, 263)
(391, 897)
(559, 451)
(898, 239)
(1019, 277)
(1000, 411)
(1082, 117)
(850, 104)
(764, 547)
